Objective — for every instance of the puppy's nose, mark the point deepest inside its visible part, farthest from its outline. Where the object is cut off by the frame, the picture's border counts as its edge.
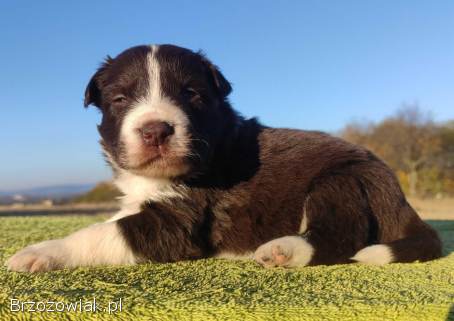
(155, 133)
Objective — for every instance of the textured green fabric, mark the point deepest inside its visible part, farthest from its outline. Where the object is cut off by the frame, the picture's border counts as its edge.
(216, 289)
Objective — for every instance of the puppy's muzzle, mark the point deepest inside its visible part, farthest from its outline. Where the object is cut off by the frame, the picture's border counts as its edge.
(156, 133)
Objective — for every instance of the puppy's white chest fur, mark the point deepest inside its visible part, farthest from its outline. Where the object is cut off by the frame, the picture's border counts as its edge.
(138, 190)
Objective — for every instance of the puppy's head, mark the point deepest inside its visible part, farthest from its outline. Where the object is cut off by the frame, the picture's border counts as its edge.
(164, 110)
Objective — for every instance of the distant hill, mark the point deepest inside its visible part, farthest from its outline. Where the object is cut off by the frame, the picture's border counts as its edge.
(54, 192)
(103, 192)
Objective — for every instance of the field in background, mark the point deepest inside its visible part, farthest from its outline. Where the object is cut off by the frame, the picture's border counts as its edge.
(434, 209)
(67, 209)
(429, 209)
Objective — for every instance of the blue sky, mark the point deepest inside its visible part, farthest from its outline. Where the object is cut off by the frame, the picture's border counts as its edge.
(303, 64)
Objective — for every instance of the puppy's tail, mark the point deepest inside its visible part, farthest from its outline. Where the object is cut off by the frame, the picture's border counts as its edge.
(416, 248)
(421, 243)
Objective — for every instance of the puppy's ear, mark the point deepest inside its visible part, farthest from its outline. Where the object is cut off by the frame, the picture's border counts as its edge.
(222, 85)
(93, 92)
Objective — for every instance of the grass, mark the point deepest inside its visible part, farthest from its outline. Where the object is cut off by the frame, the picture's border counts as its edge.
(221, 290)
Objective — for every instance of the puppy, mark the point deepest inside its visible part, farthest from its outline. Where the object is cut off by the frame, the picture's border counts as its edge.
(201, 181)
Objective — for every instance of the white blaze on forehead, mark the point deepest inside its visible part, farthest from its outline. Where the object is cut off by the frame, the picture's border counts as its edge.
(154, 91)
(154, 106)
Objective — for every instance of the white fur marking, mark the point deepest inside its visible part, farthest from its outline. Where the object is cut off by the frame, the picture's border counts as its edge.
(154, 107)
(98, 244)
(139, 189)
(374, 255)
(303, 226)
(304, 221)
(297, 250)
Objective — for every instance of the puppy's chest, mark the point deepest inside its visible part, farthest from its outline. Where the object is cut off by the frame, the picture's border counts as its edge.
(138, 191)
(222, 218)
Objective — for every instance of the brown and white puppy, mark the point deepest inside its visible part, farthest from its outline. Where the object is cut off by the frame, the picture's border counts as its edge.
(200, 181)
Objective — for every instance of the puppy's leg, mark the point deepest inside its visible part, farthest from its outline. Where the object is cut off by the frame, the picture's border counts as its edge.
(156, 233)
(98, 244)
(165, 233)
(337, 223)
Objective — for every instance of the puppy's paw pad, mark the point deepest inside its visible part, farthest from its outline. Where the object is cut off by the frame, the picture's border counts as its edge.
(280, 256)
(273, 253)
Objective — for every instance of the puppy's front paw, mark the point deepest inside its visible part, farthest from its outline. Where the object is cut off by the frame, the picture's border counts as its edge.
(287, 251)
(41, 257)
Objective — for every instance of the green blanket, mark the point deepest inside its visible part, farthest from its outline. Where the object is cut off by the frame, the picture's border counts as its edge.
(217, 289)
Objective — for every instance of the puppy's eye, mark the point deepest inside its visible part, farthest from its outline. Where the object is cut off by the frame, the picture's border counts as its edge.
(190, 93)
(119, 99)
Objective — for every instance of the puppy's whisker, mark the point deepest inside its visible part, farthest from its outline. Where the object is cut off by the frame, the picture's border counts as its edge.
(200, 140)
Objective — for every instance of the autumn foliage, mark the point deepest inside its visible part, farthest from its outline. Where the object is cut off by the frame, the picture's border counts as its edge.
(419, 150)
